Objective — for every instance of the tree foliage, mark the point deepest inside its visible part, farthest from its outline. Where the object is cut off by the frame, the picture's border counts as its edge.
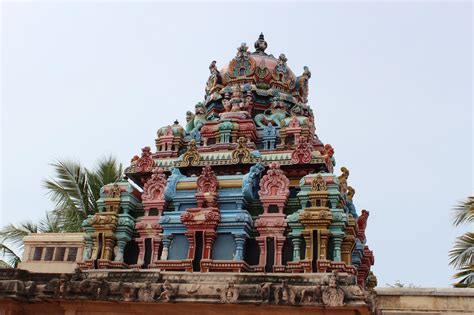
(74, 191)
(462, 254)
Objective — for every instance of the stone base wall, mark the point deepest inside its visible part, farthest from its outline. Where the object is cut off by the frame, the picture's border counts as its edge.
(148, 292)
(130, 308)
(404, 301)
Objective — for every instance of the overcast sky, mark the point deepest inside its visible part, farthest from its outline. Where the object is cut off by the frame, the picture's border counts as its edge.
(391, 89)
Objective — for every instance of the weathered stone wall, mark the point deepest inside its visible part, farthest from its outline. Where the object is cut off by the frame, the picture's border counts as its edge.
(401, 301)
(429, 301)
(148, 292)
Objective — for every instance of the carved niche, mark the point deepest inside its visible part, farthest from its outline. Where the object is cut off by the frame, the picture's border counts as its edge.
(274, 187)
(241, 153)
(145, 163)
(154, 190)
(207, 185)
(333, 295)
(229, 294)
(303, 152)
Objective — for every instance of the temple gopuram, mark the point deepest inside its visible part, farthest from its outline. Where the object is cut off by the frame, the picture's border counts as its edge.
(241, 209)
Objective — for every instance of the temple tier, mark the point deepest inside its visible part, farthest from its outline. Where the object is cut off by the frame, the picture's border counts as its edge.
(245, 186)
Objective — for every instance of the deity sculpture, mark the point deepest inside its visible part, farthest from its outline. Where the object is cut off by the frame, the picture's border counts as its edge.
(196, 121)
(269, 137)
(333, 295)
(239, 102)
(213, 77)
(274, 115)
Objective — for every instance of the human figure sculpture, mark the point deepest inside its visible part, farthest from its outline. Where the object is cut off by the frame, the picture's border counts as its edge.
(333, 295)
(229, 294)
(167, 293)
(213, 77)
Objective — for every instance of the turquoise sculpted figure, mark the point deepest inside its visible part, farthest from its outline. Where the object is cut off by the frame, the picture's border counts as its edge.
(251, 181)
(196, 120)
(170, 189)
(273, 115)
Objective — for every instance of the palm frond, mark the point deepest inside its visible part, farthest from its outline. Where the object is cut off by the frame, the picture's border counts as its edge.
(462, 253)
(13, 234)
(50, 223)
(464, 212)
(69, 189)
(467, 277)
(107, 171)
(9, 256)
(69, 219)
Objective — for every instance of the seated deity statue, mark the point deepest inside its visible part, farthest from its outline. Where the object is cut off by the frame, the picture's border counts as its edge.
(237, 106)
(196, 120)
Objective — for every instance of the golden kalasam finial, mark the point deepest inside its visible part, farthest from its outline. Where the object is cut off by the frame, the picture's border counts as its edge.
(260, 45)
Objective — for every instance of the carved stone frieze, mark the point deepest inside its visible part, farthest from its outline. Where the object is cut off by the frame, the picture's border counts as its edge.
(317, 290)
(229, 294)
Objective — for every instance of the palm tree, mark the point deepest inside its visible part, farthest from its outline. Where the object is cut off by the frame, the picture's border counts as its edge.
(11, 236)
(74, 191)
(462, 253)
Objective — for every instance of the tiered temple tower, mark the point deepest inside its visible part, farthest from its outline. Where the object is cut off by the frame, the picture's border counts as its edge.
(245, 186)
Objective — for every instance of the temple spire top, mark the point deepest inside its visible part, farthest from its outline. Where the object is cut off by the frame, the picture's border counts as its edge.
(260, 45)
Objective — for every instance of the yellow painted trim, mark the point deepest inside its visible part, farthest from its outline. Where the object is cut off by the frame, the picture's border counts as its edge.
(186, 186)
(230, 183)
(227, 183)
(294, 182)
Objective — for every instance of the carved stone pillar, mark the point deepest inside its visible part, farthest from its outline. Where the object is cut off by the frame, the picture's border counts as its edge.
(209, 238)
(307, 235)
(192, 245)
(141, 251)
(109, 247)
(87, 254)
(121, 243)
(279, 240)
(239, 247)
(296, 248)
(324, 237)
(261, 240)
(337, 242)
(166, 245)
(156, 250)
(346, 249)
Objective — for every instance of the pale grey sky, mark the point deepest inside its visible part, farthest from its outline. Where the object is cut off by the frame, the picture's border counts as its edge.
(391, 88)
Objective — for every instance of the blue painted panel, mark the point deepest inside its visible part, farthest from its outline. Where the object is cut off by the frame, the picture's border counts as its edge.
(178, 248)
(224, 247)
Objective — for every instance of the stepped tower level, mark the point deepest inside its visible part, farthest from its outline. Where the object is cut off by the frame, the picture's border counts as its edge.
(245, 185)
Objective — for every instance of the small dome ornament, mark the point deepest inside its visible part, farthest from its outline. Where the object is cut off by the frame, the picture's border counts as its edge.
(260, 45)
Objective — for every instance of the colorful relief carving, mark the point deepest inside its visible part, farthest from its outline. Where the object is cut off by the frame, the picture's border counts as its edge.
(271, 225)
(274, 115)
(245, 186)
(303, 152)
(241, 154)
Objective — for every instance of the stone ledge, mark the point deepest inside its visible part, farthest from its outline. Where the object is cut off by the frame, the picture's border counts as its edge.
(426, 291)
